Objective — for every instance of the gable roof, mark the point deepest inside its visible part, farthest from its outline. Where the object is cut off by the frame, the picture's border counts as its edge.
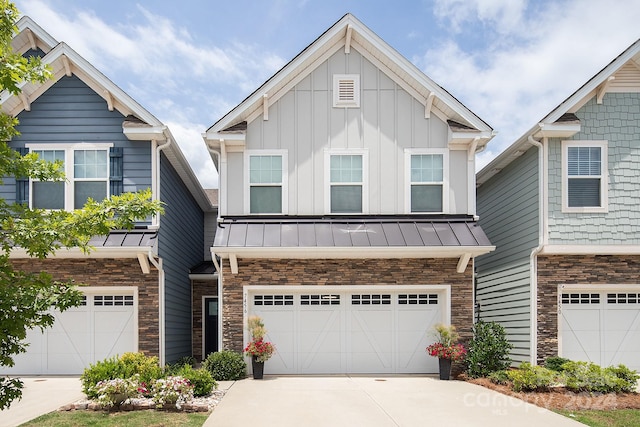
(562, 122)
(140, 124)
(346, 34)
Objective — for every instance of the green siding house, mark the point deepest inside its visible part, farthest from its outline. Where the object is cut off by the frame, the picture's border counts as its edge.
(561, 204)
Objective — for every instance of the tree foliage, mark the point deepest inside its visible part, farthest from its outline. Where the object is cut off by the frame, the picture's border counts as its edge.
(26, 299)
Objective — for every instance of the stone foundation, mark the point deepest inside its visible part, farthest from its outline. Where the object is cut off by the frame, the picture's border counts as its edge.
(554, 271)
(110, 272)
(342, 272)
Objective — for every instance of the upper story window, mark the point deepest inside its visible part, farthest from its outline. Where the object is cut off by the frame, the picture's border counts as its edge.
(426, 181)
(584, 172)
(347, 186)
(346, 90)
(86, 168)
(267, 192)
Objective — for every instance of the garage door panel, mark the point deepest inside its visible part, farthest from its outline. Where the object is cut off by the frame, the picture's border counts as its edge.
(113, 333)
(351, 331)
(601, 327)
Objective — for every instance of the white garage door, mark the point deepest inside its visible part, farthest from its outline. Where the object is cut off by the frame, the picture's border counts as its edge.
(601, 327)
(103, 326)
(369, 330)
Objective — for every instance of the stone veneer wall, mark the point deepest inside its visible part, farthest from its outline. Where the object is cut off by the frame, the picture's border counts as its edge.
(326, 272)
(199, 289)
(110, 272)
(575, 269)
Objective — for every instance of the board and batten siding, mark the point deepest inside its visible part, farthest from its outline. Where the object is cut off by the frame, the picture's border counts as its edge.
(71, 112)
(180, 243)
(509, 215)
(304, 123)
(616, 121)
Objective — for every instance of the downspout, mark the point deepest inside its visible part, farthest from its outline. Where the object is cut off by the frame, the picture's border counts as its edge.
(158, 263)
(213, 255)
(533, 258)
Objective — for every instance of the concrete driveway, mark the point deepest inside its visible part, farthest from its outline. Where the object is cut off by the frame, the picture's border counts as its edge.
(373, 402)
(40, 396)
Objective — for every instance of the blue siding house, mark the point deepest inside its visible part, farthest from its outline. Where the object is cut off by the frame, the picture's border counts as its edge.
(561, 205)
(139, 286)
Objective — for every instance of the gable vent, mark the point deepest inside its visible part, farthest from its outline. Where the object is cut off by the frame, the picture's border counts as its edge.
(346, 90)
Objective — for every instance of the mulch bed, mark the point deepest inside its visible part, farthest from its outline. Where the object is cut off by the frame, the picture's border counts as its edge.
(561, 398)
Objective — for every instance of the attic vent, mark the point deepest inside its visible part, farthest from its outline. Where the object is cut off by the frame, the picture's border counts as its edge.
(346, 90)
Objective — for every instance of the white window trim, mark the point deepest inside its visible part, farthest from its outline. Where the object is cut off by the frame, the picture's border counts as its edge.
(355, 103)
(68, 166)
(327, 178)
(285, 179)
(604, 181)
(408, 152)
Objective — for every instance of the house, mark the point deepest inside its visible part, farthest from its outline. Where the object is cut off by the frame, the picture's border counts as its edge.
(347, 210)
(560, 204)
(139, 289)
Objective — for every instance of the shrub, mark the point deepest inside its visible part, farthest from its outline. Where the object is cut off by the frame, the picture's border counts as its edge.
(555, 363)
(116, 391)
(628, 376)
(126, 366)
(499, 377)
(488, 350)
(200, 379)
(531, 378)
(589, 377)
(226, 365)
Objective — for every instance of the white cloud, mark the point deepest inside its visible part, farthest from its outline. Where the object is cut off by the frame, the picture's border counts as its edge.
(531, 68)
(459, 13)
(189, 138)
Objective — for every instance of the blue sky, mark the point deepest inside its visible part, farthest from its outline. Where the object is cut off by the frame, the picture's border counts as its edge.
(190, 62)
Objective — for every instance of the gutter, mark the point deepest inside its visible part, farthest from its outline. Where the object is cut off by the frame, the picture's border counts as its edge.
(156, 193)
(533, 257)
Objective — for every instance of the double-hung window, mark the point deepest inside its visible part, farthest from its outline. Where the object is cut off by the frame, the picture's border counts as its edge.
(86, 168)
(267, 182)
(347, 186)
(426, 178)
(584, 171)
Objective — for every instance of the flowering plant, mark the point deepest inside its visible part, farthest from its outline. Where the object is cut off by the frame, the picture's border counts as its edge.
(117, 391)
(445, 347)
(172, 390)
(259, 348)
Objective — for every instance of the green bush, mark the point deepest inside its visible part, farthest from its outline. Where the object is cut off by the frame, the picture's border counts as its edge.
(499, 377)
(531, 378)
(628, 376)
(226, 365)
(124, 367)
(488, 350)
(200, 379)
(555, 363)
(589, 377)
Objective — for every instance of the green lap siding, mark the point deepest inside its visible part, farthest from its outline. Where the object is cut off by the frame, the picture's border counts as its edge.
(509, 214)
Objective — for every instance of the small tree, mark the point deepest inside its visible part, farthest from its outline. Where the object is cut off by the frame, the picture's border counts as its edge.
(488, 350)
(26, 298)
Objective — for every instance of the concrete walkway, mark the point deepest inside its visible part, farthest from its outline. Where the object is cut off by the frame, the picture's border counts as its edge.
(40, 396)
(374, 402)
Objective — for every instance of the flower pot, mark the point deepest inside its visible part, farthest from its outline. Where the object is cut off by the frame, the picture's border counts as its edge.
(445, 368)
(258, 368)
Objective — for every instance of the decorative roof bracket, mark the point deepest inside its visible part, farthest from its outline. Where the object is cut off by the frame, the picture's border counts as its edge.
(603, 89)
(428, 105)
(347, 43)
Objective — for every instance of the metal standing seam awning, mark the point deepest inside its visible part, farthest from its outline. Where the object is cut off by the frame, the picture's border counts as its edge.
(323, 238)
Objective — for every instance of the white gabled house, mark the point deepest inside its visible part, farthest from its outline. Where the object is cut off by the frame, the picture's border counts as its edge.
(347, 209)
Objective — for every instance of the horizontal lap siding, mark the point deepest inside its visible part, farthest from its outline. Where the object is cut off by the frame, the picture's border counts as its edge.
(71, 112)
(508, 209)
(180, 243)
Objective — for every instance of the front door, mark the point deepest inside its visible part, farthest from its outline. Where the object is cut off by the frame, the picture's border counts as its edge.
(210, 325)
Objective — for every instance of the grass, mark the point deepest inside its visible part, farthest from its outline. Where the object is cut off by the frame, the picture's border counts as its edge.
(148, 418)
(612, 418)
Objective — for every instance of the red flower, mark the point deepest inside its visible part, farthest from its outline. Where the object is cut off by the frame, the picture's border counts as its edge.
(453, 352)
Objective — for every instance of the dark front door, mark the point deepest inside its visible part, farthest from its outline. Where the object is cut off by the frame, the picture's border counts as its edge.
(210, 325)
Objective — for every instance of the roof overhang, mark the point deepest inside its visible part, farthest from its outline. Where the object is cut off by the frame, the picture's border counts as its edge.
(145, 133)
(557, 130)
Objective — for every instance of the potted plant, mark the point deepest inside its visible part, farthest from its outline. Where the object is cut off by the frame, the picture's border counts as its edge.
(446, 349)
(259, 349)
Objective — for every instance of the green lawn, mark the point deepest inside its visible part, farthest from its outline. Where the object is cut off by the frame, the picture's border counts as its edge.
(613, 418)
(124, 419)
